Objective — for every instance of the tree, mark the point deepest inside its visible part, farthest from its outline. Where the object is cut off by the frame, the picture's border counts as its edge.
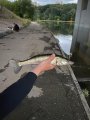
(23, 8)
(58, 11)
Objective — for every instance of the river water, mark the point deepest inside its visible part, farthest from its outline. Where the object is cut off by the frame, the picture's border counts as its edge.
(64, 40)
(64, 33)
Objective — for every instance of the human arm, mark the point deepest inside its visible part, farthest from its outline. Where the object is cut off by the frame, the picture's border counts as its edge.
(44, 66)
(15, 93)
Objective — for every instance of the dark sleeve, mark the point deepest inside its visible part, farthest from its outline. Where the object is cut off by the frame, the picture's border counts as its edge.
(14, 94)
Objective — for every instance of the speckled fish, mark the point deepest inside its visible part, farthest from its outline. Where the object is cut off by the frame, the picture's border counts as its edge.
(35, 60)
(58, 61)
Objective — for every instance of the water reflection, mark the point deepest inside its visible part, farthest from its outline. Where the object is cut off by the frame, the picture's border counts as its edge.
(59, 27)
(63, 32)
(65, 42)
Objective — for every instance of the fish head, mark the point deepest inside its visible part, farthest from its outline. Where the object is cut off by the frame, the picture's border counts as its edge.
(62, 61)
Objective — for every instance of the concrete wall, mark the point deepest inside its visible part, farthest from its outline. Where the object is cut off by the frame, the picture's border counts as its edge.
(81, 36)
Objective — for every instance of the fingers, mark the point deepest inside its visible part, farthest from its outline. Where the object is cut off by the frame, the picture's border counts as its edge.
(51, 57)
(52, 66)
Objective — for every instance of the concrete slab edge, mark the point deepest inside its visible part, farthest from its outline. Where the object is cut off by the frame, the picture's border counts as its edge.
(83, 100)
(7, 32)
(63, 53)
(4, 33)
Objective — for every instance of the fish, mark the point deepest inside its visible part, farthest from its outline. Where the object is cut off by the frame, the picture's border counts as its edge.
(58, 60)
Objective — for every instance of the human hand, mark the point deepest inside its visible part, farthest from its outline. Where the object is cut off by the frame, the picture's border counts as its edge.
(44, 65)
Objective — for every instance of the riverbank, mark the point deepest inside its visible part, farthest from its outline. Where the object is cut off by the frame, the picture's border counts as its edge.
(7, 18)
(70, 21)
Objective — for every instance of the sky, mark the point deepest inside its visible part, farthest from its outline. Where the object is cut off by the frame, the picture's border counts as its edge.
(44, 2)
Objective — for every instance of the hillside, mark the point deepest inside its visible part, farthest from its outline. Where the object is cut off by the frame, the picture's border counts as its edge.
(7, 18)
(65, 12)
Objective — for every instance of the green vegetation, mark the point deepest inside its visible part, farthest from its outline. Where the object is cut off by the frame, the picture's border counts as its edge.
(22, 8)
(25, 9)
(9, 15)
(59, 27)
(65, 12)
(86, 92)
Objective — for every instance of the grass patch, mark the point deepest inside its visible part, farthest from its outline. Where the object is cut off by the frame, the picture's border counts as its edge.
(7, 14)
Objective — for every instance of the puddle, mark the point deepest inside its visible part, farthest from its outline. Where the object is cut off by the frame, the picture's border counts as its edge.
(35, 92)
